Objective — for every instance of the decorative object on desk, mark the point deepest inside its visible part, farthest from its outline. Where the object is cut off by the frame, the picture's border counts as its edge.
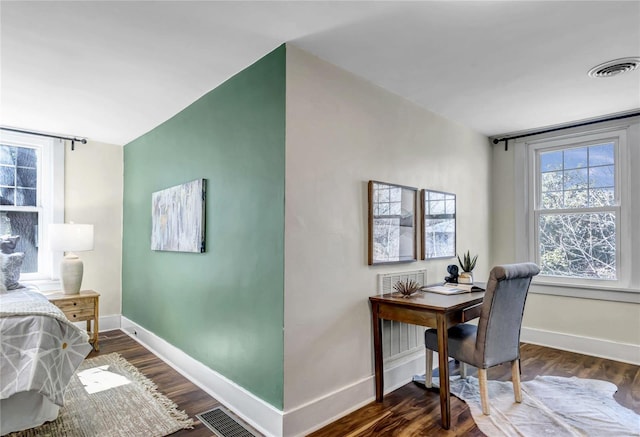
(452, 269)
(468, 264)
(71, 238)
(438, 224)
(407, 287)
(178, 218)
(392, 223)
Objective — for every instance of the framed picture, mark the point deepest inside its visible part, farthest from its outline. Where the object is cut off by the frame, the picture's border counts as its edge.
(392, 223)
(178, 218)
(438, 224)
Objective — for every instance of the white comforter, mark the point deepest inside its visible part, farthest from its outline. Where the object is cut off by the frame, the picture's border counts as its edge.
(39, 348)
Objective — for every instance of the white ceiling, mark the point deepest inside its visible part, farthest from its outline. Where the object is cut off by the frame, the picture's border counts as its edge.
(111, 71)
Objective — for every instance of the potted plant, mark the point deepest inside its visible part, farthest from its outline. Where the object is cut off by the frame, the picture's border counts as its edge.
(467, 263)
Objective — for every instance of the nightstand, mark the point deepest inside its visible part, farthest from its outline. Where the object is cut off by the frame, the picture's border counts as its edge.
(80, 307)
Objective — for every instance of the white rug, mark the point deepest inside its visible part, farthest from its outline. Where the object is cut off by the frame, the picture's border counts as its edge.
(551, 406)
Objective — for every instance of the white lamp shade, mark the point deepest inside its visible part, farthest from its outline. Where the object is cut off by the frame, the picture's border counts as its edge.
(71, 237)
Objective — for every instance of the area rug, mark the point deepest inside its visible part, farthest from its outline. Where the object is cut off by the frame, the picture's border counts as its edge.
(551, 406)
(109, 397)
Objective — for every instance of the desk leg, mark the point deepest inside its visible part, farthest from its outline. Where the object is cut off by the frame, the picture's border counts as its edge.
(443, 360)
(377, 349)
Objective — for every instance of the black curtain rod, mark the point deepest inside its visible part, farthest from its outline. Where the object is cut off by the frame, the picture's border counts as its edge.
(586, 123)
(72, 139)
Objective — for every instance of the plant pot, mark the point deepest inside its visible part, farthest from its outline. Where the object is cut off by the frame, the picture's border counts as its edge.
(465, 278)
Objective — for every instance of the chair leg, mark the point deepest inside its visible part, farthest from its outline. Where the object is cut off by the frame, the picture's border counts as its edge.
(428, 369)
(515, 378)
(463, 370)
(484, 394)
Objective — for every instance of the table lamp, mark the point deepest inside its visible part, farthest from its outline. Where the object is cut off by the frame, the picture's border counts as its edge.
(71, 238)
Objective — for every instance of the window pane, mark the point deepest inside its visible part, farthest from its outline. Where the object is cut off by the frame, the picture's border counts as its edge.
(24, 224)
(25, 197)
(7, 176)
(602, 197)
(576, 199)
(26, 157)
(552, 181)
(7, 155)
(578, 245)
(575, 158)
(553, 200)
(574, 179)
(550, 161)
(601, 155)
(7, 196)
(27, 177)
(601, 176)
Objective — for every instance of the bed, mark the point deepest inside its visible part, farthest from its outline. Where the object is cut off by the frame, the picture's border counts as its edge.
(40, 350)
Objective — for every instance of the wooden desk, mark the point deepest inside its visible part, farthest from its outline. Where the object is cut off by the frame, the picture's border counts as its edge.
(426, 309)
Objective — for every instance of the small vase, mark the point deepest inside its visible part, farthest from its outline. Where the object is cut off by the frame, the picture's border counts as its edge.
(465, 278)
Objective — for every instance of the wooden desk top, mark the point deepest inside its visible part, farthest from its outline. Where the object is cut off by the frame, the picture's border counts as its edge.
(431, 301)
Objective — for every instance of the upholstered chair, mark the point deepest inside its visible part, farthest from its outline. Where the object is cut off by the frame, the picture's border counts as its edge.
(496, 338)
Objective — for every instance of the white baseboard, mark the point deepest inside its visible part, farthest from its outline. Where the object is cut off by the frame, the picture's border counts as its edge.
(627, 353)
(304, 419)
(105, 323)
(264, 417)
(109, 323)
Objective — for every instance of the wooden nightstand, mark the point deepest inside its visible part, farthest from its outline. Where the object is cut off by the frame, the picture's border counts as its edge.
(80, 307)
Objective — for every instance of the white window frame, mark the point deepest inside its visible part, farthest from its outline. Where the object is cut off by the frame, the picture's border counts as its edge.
(626, 287)
(49, 204)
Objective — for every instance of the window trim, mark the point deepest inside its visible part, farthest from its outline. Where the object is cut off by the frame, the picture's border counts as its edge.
(49, 204)
(626, 288)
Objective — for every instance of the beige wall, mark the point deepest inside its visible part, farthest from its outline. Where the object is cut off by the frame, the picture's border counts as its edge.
(93, 195)
(342, 132)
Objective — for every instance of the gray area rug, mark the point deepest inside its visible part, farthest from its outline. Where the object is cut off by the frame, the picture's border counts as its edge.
(118, 401)
(551, 406)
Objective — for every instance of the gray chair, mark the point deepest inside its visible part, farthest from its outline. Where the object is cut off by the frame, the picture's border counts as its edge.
(496, 339)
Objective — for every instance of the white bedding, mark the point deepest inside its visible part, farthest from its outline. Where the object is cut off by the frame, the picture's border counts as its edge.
(39, 348)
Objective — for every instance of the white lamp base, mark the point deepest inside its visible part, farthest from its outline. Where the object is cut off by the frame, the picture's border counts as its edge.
(71, 269)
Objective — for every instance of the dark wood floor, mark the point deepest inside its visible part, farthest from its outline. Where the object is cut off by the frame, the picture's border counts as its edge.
(172, 384)
(409, 411)
(415, 411)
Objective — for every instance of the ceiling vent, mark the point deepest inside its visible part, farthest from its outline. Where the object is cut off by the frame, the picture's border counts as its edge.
(615, 67)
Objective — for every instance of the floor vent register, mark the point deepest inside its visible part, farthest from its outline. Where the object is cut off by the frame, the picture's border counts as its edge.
(224, 423)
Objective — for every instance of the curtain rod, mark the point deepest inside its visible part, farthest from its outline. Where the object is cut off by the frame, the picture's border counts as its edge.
(586, 123)
(72, 139)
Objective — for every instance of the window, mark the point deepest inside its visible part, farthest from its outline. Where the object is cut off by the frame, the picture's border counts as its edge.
(574, 212)
(31, 190)
(577, 210)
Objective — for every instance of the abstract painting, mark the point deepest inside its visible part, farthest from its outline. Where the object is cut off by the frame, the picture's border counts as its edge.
(177, 216)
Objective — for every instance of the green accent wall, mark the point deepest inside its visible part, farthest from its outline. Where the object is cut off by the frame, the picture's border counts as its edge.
(224, 307)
